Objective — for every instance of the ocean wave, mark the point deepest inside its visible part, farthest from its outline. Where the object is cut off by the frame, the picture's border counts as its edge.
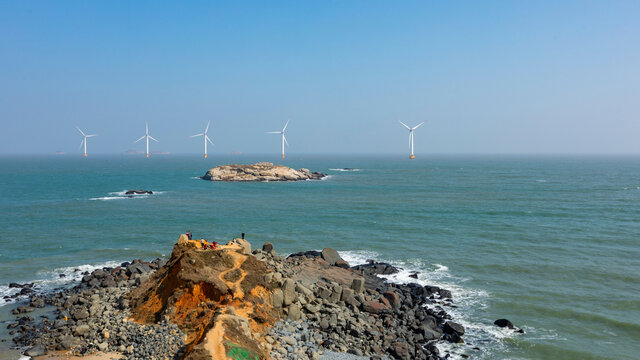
(49, 280)
(344, 169)
(467, 300)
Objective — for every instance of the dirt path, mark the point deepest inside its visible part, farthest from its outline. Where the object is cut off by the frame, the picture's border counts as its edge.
(238, 260)
(214, 340)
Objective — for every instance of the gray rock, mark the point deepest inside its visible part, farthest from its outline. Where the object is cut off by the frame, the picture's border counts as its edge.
(267, 247)
(330, 255)
(277, 298)
(451, 328)
(289, 292)
(358, 285)
(82, 329)
(34, 351)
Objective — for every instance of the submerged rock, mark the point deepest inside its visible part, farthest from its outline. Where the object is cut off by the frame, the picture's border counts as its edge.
(262, 171)
(138, 192)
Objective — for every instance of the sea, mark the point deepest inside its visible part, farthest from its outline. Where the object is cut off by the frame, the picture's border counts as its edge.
(551, 243)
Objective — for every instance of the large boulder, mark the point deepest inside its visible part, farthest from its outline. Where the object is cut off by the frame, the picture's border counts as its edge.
(504, 323)
(452, 328)
(331, 256)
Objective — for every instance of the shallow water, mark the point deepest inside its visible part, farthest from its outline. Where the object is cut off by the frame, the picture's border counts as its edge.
(550, 243)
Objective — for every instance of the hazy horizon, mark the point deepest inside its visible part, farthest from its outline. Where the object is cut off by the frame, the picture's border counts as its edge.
(488, 78)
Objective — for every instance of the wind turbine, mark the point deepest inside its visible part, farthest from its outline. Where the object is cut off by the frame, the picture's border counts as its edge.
(147, 136)
(284, 139)
(411, 135)
(84, 140)
(206, 138)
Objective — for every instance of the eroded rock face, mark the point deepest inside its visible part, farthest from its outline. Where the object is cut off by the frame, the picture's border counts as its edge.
(217, 297)
(262, 171)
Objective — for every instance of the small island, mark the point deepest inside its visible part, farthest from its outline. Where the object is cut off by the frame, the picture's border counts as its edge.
(262, 171)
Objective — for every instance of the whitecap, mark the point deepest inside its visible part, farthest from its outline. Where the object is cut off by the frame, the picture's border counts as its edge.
(344, 169)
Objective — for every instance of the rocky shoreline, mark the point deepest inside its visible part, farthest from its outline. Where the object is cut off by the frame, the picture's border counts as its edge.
(261, 171)
(297, 307)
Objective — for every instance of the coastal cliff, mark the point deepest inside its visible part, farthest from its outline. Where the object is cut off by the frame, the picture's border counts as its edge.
(261, 171)
(231, 302)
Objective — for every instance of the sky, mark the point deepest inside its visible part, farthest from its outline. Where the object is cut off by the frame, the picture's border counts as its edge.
(487, 77)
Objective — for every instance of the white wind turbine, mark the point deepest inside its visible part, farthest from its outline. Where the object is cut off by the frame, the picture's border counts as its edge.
(284, 139)
(411, 136)
(206, 138)
(84, 140)
(147, 136)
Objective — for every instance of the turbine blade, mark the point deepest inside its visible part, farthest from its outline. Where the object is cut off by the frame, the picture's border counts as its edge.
(273, 132)
(417, 126)
(139, 139)
(207, 129)
(91, 135)
(405, 125)
(146, 126)
(285, 139)
(80, 131)
(81, 143)
(196, 135)
(209, 140)
(285, 126)
(151, 137)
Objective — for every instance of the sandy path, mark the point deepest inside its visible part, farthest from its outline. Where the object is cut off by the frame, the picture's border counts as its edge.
(214, 340)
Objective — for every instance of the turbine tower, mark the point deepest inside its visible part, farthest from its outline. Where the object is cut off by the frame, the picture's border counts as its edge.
(284, 139)
(411, 136)
(206, 138)
(147, 136)
(84, 140)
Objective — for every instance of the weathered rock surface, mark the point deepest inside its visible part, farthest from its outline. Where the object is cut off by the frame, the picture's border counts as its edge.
(262, 171)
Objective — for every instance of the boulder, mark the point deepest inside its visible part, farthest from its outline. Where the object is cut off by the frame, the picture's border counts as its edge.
(330, 256)
(277, 298)
(267, 247)
(374, 307)
(358, 285)
(504, 323)
(289, 292)
(452, 328)
(400, 350)
(34, 351)
(393, 298)
(244, 244)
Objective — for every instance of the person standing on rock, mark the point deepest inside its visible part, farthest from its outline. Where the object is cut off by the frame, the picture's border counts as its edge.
(189, 236)
(202, 244)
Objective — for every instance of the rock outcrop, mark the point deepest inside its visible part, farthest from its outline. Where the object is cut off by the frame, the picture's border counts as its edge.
(262, 171)
(234, 302)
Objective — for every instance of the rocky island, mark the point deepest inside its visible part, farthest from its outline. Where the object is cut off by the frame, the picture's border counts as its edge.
(262, 171)
(212, 301)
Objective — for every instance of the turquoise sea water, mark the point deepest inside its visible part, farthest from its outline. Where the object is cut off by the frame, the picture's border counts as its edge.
(551, 243)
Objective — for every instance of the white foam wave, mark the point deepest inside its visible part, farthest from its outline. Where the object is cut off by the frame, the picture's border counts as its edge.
(466, 300)
(345, 169)
(49, 280)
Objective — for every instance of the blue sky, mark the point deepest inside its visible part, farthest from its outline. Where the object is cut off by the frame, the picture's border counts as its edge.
(488, 77)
